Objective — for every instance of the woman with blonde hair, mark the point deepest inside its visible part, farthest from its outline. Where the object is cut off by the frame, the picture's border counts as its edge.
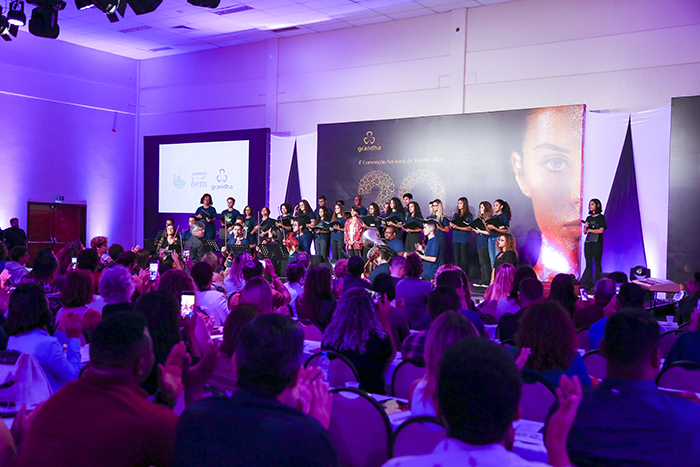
(506, 253)
(438, 213)
(447, 329)
(234, 282)
(257, 292)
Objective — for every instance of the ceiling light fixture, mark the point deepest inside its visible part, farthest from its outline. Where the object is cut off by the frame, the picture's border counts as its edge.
(205, 3)
(44, 22)
(4, 27)
(84, 4)
(16, 14)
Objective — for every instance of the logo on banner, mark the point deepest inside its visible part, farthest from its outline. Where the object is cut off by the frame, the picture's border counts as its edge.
(221, 181)
(222, 177)
(178, 182)
(369, 141)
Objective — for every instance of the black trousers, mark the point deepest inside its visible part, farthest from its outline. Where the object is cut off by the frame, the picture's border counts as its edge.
(338, 248)
(593, 252)
(485, 265)
(352, 252)
(322, 246)
(460, 250)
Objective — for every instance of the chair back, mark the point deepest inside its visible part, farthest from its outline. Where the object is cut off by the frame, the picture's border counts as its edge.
(417, 436)
(341, 370)
(22, 381)
(312, 332)
(681, 375)
(359, 430)
(404, 375)
(596, 365)
(537, 397)
(667, 340)
(583, 343)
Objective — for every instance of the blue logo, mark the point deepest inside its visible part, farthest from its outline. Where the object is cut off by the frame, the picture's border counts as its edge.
(222, 177)
(178, 182)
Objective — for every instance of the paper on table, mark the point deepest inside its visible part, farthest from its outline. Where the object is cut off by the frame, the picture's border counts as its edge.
(529, 432)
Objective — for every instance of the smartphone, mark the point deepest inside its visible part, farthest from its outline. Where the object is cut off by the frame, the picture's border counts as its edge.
(262, 261)
(74, 262)
(187, 305)
(584, 294)
(679, 296)
(153, 271)
(185, 254)
(617, 288)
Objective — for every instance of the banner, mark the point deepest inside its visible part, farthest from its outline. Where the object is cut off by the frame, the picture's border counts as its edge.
(532, 159)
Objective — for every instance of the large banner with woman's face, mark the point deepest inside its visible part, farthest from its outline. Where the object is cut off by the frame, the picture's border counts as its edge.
(532, 159)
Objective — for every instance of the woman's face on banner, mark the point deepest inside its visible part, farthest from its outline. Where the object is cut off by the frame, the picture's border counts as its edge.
(548, 171)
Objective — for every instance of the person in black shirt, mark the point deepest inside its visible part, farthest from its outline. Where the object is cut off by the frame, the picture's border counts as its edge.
(278, 416)
(322, 238)
(229, 215)
(506, 253)
(594, 227)
(195, 244)
(14, 236)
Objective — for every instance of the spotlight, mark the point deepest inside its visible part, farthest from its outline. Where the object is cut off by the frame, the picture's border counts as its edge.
(16, 15)
(107, 6)
(44, 21)
(205, 3)
(4, 27)
(84, 4)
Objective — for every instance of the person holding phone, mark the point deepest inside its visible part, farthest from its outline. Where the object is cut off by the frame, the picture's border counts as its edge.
(593, 228)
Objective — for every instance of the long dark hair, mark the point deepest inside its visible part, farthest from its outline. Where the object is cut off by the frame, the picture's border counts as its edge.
(523, 272)
(234, 324)
(547, 329)
(505, 208)
(598, 207)
(353, 322)
(398, 206)
(317, 288)
(377, 212)
(463, 212)
(562, 292)
(27, 310)
(417, 214)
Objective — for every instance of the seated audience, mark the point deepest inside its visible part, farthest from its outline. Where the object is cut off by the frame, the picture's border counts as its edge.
(604, 292)
(363, 335)
(510, 303)
(27, 316)
(115, 251)
(253, 268)
(224, 377)
(618, 277)
(455, 279)
(116, 289)
(687, 303)
(447, 329)
(234, 282)
(3, 256)
(17, 265)
(104, 418)
(278, 415)
(210, 302)
(383, 262)
(530, 292)
(687, 345)
(626, 420)
(414, 293)
(440, 300)
(295, 283)
(305, 259)
(547, 330)
(101, 246)
(478, 392)
(44, 271)
(384, 285)
(398, 268)
(354, 280)
(630, 296)
(257, 292)
(77, 294)
(317, 304)
(563, 292)
(88, 261)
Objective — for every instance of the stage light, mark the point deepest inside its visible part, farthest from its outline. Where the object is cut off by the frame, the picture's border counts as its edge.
(4, 27)
(16, 15)
(205, 3)
(44, 22)
(141, 7)
(107, 6)
(84, 4)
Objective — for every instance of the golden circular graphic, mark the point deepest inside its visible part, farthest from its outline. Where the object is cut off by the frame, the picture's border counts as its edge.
(379, 179)
(426, 176)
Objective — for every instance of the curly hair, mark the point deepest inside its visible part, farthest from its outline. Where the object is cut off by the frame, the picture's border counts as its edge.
(502, 283)
(201, 200)
(97, 242)
(547, 329)
(176, 281)
(353, 322)
(510, 243)
(116, 285)
(341, 268)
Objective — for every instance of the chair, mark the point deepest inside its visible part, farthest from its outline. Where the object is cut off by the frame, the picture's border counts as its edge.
(417, 436)
(667, 340)
(359, 429)
(22, 381)
(404, 375)
(681, 375)
(596, 365)
(683, 326)
(341, 370)
(583, 343)
(537, 397)
(312, 332)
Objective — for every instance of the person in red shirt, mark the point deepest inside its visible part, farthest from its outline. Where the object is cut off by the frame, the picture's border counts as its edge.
(104, 418)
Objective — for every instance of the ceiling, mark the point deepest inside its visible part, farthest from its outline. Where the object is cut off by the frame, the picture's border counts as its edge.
(177, 27)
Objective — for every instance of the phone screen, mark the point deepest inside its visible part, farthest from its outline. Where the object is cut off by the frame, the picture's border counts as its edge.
(584, 294)
(74, 262)
(152, 271)
(185, 254)
(187, 305)
(617, 288)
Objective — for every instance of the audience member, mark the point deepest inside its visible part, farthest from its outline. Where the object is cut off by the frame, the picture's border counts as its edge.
(626, 420)
(618, 277)
(88, 261)
(257, 292)
(14, 236)
(295, 283)
(17, 266)
(252, 269)
(104, 418)
(115, 251)
(27, 316)
(363, 335)
(3, 255)
(440, 300)
(604, 292)
(531, 292)
(414, 293)
(547, 330)
(687, 345)
(210, 302)
(630, 296)
(317, 304)
(686, 305)
(234, 282)
(128, 260)
(398, 268)
(478, 392)
(510, 303)
(447, 329)
(305, 259)
(224, 377)
(116, 289)
(101, 246)
(455, 279)
(77, 294)
(276, 417)
(563, 292)
(354, 278)
(502, 284)
(45, 271)
(384, 285)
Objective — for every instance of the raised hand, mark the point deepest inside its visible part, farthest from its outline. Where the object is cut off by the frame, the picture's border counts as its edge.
(569, 396)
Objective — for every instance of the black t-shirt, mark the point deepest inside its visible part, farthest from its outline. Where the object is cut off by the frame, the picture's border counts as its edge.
(14, 236)
(507, 257)
(595, 222)
(371, 364)
(248, 430)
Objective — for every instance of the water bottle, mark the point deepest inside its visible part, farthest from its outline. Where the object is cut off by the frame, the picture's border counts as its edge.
(325, 365)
